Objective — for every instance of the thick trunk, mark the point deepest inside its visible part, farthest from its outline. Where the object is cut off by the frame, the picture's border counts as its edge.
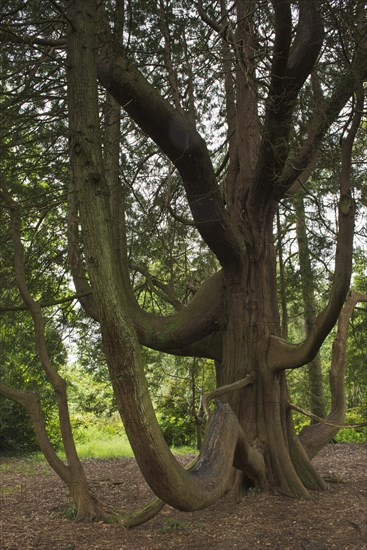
(262, 408)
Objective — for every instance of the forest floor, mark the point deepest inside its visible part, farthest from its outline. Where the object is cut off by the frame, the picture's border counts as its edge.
(32, 499)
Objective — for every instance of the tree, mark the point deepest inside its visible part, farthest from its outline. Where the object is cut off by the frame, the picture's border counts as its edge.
(267, 54)
(307, 281)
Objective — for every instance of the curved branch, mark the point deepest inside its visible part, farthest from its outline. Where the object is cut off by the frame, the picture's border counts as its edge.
(178, 138)
(222, 390)
(314, 437)
(323, 118)
(154, 506)
(323, 421)
(31, 402)
(283, 355)
(307, 43)
(197, 320)
(291, 66)
(287, 356)
(173, 333)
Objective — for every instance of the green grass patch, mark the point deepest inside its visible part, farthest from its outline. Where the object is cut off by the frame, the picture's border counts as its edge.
(172, 524)
(104, 447)
(185, 450)
(22, 464)
(10, 490)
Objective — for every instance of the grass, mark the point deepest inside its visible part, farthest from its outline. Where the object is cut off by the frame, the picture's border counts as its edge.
(115, 446)
(10, 490)
(104, 447)
(96, 445)
(21, 464)
(172, 524)
(184, 450)
(109, 442)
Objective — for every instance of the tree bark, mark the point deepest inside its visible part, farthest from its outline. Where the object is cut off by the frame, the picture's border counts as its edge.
(316, 389)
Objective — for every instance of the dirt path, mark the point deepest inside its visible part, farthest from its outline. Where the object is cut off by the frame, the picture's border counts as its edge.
(31, 498)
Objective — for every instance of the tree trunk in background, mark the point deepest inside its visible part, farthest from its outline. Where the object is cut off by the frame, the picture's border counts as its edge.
(316, 389)
(282, 285)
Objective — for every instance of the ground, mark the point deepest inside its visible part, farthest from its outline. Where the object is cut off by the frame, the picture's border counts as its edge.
(33, 504)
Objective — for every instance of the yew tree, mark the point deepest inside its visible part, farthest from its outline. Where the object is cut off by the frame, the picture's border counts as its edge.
(264, 64)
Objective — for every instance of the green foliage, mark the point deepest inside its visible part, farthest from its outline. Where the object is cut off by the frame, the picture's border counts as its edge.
(356, 360)
(16, 431)
(20, 368)
(178, 428)
(354, 435)
(177, 386)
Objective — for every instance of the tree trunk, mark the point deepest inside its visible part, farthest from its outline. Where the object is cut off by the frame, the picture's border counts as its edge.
(250, 319)
(316, 388)
(282, 287)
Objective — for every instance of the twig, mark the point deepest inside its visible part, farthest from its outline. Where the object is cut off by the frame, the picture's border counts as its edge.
(323, 421)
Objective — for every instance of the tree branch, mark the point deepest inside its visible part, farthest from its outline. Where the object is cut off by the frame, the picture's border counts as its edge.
(177, 137)
(222, 390)
(322, 420)
(284, 355)
(31, 402)
(33, 40)
(314, 437)
(50, 303)
(291, 65)
(324, 116)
